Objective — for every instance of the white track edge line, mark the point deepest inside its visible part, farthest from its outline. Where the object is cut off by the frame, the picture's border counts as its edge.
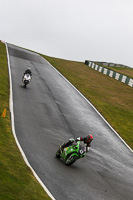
(14, 133)
(92, 107)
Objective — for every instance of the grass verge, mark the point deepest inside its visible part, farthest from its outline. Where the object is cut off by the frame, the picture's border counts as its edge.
(113, 99)
(16, 179)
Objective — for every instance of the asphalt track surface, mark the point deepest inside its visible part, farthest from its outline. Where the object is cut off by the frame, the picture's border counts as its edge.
(50, 111)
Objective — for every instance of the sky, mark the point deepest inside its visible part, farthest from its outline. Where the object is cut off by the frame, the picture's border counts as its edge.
(78, 30)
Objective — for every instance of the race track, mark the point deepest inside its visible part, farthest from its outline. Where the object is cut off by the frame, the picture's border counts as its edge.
(49, 112)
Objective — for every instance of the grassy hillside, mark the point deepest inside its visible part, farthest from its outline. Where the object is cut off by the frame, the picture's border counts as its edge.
(113, 99)
(16, 179)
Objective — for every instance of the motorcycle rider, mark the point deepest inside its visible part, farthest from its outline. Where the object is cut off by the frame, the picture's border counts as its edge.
(87, 140)
(28, 71)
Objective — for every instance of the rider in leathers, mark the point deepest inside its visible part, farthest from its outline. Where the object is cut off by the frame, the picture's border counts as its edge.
(87, 140)
(28, 71)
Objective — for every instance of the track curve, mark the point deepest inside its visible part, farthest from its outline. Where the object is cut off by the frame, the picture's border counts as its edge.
(47, 113)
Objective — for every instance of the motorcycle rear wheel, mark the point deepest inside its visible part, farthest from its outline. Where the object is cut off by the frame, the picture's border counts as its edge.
(70, 160)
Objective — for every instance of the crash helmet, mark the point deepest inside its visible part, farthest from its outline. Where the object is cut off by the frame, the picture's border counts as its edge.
(88, 138)
(29, 68)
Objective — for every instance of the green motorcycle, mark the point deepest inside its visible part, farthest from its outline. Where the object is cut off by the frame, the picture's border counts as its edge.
(71, 153)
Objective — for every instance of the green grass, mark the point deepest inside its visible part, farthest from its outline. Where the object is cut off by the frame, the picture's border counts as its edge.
(16, 179)
(113, 99)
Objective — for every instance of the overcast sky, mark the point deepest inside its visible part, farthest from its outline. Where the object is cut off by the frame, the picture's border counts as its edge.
(79, 30)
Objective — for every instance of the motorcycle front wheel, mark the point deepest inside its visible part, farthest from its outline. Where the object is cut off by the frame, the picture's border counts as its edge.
(58, 154)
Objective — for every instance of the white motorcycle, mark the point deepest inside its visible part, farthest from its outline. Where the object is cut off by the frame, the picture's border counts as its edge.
(26, 79)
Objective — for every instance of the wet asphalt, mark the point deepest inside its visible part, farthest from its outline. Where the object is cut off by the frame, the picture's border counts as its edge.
(49, 112)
